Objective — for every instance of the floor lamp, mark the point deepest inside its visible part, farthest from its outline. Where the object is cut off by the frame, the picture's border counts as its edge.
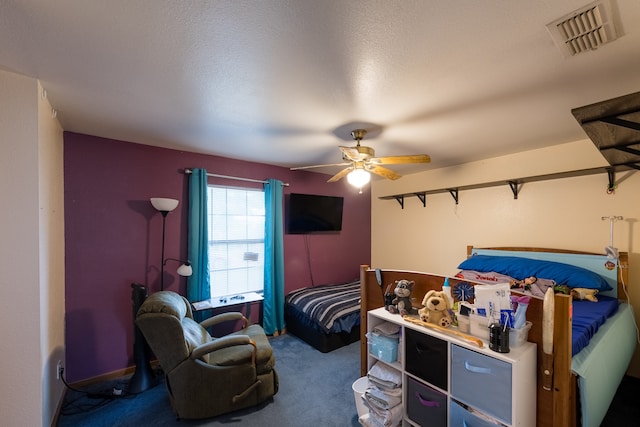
(164, 206)
(143, 377)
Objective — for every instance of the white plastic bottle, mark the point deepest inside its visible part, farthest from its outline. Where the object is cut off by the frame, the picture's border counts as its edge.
(446, 288)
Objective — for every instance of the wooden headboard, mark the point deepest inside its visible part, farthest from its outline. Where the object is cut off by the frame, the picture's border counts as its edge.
(554, 408)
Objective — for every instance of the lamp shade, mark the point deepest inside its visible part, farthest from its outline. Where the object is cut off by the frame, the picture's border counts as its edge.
(185, 269)
(163, 204)
(358, 177)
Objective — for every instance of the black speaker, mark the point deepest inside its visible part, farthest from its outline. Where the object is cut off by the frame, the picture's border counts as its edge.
(143, 378)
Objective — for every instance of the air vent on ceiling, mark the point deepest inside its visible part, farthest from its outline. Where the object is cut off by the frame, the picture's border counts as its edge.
(584, 29)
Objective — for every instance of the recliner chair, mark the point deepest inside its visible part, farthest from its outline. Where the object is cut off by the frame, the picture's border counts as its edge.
(207, 376)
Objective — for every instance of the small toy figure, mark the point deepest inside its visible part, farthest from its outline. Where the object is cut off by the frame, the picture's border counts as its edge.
(401, 304)
(524, 284)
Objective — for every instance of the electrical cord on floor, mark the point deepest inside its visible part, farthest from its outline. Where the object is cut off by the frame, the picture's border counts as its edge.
(66, 383)
(116, 392)
(80, 404)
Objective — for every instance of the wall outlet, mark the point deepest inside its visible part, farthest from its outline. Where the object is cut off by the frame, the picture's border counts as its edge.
(59, 370)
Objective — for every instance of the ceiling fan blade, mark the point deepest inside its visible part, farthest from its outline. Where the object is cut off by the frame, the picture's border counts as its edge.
(396, 160)
(340, 175)
(384, 172)
(350, 153)
(320, 166)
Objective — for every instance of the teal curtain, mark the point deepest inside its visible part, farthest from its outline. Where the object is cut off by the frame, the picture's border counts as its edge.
(198, 287)
(273, 312)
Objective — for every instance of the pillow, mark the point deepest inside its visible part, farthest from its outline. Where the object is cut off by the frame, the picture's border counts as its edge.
(486, 277)
(520, 268)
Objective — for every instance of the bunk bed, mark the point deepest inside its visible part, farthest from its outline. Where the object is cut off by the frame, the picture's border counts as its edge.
(583, 384)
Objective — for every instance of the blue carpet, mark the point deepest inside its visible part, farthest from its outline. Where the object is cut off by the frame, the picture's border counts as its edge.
(315, 389)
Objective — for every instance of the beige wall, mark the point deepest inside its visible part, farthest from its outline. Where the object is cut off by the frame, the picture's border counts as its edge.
(560, 213)
(31, 254)
(51, 246)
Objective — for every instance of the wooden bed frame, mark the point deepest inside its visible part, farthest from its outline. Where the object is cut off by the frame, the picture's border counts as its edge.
(557, 407)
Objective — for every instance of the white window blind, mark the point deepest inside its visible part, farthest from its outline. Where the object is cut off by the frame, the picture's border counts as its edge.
(236, 240)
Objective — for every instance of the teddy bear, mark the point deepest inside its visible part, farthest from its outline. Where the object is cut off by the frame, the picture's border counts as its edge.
(584, 293)
(437, 309)
(401, 303)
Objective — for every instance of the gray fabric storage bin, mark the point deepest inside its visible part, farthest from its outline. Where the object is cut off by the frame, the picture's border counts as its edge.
(425, 406)
(481, 382)
(461, 417)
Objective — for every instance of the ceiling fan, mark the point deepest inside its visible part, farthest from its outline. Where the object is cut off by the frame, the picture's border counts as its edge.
(360, 160)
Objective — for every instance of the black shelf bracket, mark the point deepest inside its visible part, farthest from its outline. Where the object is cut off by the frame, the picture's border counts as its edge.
(423, 198)
(612, 181)
(515, 189)
(454, 194)
(629, 150)
(400, 199)
(617, 121)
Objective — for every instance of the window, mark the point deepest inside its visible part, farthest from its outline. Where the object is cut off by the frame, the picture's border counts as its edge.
(236, 240)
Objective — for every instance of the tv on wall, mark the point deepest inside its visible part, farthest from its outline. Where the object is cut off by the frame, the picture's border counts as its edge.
(310, 213)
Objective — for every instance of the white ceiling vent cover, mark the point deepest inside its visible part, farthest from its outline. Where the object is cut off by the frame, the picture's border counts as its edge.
(584, 29)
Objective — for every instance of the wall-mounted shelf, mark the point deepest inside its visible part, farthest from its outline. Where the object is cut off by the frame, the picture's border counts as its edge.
(613, 126)
(514, 184)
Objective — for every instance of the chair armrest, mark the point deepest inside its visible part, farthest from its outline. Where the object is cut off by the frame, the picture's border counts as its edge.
(225, 317)
(228, 341)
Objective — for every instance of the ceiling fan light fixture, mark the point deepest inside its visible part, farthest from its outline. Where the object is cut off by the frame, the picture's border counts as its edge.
(360, 162)
(358, 177)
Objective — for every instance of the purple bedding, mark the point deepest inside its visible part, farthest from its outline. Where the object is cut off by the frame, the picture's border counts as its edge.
(588, 317)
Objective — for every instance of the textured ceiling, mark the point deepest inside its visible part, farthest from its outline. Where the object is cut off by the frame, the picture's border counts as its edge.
(284, 82)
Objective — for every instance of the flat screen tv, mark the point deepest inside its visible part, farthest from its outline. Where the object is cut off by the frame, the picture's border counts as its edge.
(309, 213)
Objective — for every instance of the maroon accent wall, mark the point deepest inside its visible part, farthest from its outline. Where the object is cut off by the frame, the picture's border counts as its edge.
(113, 238)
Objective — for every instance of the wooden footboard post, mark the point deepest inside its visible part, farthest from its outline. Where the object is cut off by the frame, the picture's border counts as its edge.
(564, 403)
(364, 298)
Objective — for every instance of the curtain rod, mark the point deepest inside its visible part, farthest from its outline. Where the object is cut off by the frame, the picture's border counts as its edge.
(189, 171)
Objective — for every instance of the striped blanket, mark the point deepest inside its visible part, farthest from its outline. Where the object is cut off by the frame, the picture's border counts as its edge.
(327, 306)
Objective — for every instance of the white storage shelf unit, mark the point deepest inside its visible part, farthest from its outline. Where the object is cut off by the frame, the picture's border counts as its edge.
(450, 382)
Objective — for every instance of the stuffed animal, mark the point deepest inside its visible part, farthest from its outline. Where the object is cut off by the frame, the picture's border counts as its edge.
(401, 304)
(584, 293)
(437, 309)
(524, 284)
